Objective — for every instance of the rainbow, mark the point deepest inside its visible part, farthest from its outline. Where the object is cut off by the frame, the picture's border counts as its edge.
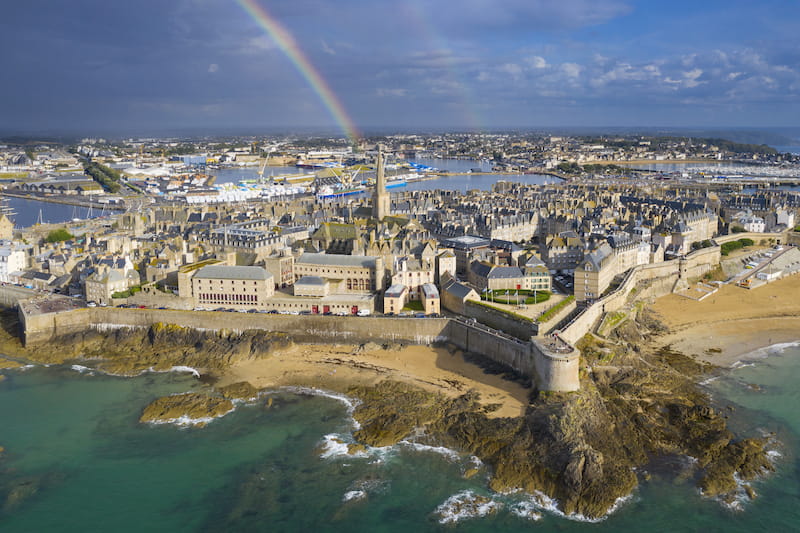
(289, 47)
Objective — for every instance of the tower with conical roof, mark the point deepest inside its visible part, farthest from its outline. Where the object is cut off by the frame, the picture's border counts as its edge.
(381, 202)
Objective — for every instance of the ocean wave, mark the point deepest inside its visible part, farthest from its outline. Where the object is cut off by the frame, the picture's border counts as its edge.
(349, 403)
(773, 349)
(709, 381)
(774, 455)
(186, 421)
(465, 505)
(335, 445)
(179, 368)
(83, 369)
(453, 455)
(740, 495)
(542, 502)
(354, 495)
(525, 510)
(182, 368)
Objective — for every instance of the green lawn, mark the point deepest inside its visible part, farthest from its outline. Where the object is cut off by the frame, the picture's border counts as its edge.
(503, 296)
(413, 305)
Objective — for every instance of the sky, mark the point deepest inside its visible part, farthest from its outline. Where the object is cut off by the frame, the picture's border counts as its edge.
(153, 66)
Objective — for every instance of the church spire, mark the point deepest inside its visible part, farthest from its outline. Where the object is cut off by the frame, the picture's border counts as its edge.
(381, 202)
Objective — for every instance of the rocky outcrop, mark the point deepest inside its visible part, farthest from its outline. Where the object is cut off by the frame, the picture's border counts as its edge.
(189, 408)
(130, 351)
(582, 449)
(238, 391)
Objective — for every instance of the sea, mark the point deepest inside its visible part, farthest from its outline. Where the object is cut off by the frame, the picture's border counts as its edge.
(79, 460)
(461, 182)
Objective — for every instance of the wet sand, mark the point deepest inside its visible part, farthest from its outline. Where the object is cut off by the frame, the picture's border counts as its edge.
(733, 322)
(338, 367)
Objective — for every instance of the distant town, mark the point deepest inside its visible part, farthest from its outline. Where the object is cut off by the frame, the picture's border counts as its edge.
(334, 232)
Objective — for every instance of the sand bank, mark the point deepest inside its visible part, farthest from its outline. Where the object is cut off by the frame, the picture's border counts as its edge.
(733, 322)
(337, 367)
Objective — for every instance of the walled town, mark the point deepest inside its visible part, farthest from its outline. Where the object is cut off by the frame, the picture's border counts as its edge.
(540, 265)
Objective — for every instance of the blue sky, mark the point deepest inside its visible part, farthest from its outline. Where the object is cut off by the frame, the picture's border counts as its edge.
(165, 65)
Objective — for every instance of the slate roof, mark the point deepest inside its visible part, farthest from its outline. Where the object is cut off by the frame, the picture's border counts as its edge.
(337, 260)
(311, 280)
(232, 272)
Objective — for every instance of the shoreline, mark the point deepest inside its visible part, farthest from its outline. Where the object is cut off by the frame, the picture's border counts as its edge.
(726, 327)
(338, 368)
(726, 343)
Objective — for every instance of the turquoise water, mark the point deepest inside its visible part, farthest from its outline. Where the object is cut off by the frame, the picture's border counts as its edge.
(260, 469)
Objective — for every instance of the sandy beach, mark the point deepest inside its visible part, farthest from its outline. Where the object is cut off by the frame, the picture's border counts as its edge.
(733, 322)
(337, 367)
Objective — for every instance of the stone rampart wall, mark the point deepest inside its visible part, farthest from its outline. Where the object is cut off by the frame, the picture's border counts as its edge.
(658, 280)
(522, 356)
(558, 317)
(522, 329)
(778, 238)
(10, 295)
(333, 329)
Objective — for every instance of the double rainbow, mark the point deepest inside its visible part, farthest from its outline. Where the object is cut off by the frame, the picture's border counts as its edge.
(290, 48)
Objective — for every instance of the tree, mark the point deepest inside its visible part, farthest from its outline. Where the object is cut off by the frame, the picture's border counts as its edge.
(58, 235)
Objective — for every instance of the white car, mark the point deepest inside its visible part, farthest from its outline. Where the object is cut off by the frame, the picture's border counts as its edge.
(363, 312)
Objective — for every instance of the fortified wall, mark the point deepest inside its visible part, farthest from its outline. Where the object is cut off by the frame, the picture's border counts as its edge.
(552, 364)
(652, 280)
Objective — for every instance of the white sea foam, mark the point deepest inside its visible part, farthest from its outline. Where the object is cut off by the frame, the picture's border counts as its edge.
(181, 368)
(354, 495)
(441, 450)
(83, 369)
(709, 381)
(349, 403)
(543, 502)
(773, 349)
(187, 421)
(464, 505)
(740, 497)
(335, 445)
(526, 510)
(774, 455)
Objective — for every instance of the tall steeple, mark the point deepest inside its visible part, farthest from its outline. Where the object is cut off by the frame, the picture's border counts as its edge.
(381, 202)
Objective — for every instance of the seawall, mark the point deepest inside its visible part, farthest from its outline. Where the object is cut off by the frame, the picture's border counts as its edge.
(549, 369)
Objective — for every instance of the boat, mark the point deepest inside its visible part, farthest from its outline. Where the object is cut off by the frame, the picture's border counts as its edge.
(327, 193)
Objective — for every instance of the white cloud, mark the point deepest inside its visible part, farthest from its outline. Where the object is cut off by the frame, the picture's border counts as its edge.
(572, 70)
(536, 62)
(396, 93)
(327, 49)
(512, 69)
(213, 68)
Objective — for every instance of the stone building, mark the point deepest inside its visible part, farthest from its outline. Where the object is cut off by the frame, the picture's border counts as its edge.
(360, 274)
(242, 287)
(431, 303)
(395, 298)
